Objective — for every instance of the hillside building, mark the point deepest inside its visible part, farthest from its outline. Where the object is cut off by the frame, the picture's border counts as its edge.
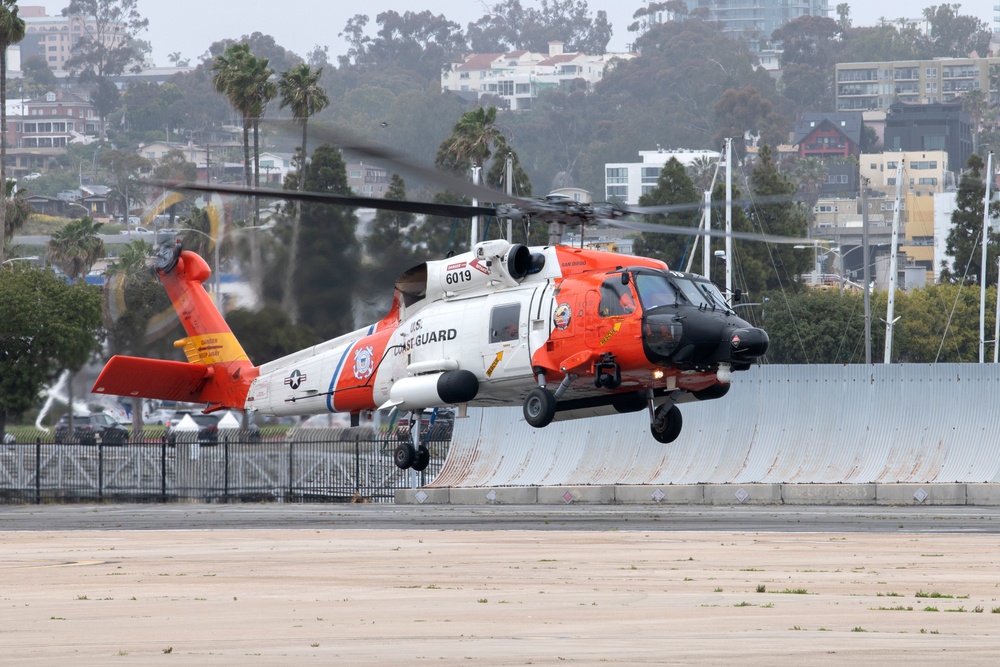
(878, 85)
(518, 77)
(627, 181)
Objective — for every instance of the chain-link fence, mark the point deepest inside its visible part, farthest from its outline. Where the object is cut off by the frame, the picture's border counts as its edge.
(321, 465)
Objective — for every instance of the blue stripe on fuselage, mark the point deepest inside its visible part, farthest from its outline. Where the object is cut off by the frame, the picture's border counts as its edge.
(333, 381)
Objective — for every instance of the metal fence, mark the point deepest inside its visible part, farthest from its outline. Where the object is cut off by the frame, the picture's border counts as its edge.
(320, 466)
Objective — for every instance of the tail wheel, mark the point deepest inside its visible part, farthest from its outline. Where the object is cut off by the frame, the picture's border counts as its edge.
(666, 424)
(539, 407)
(404, 456)
(422, 458)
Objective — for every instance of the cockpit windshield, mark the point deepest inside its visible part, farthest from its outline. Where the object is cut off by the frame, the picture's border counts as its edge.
(658, 290)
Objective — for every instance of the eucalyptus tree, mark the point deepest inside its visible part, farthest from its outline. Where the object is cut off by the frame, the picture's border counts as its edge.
(109, 44)
(11, 32)
(300, 90)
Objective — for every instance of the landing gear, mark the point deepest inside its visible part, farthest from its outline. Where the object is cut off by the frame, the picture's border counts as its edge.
(666, 424)
(423, 458)
(539, 407)
(404, 456)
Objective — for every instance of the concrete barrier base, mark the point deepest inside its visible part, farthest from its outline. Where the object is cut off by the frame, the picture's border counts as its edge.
(711, 494)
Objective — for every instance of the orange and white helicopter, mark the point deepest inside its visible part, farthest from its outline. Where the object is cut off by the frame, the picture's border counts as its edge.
(564, 332)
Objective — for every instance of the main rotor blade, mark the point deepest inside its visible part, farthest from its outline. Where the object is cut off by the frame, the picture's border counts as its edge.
(715, 203)
(446, 180)
(654, 228)
(425, 208)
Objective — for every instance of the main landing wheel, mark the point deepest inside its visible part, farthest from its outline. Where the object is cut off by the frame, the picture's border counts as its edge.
(404, 456)
(539, 407)
(422, 459)
(666, 424)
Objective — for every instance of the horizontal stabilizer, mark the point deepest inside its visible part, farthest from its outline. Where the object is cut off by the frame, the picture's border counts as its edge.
(153, 378)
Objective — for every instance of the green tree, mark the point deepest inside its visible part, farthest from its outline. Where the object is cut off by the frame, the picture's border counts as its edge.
(810, 174)
(815, 327)
(954, 35)
(964, 238)
(76, 247)
(327, 274)
(388, 250)
(509, 26)
(771, 266)
(11, 32)
(109, 45)
(300, 91)
(48, 325)
(124, 168)
(268, 334)
(811, 47)
(173, 166)
(674, 186)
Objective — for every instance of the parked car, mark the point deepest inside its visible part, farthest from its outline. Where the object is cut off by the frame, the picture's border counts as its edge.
(32, 176)
(8, 438)
(161, 417)
(91, 428)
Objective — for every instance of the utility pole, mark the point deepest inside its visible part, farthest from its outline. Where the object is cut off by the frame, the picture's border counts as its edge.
(893, 254)
(867, 271)
(982, 262)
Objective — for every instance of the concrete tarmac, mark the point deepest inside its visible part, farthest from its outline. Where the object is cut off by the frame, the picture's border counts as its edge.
(378, 585)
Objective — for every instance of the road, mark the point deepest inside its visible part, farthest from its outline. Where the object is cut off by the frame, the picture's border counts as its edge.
(881, 520)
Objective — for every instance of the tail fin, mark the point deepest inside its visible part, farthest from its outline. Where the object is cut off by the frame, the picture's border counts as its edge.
(218, 371)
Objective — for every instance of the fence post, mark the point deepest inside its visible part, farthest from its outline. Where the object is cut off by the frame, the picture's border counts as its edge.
(357, 464)
(38, 471)
(100, 470)
(291, 472)
(225, 462)
(163, 468)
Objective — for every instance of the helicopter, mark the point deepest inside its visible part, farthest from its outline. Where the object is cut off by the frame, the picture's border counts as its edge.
(565, 332)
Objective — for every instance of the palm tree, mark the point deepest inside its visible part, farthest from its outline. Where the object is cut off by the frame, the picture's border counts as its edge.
(300, 90)
(474, 139)
(11, 32)
(229, 78)
(16, 211)
(245, 80)
(701, 170)
(76, 247)
(975, 102)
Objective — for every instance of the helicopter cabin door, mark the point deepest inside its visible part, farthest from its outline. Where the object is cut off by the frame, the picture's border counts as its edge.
(505, 352)
(606, 308)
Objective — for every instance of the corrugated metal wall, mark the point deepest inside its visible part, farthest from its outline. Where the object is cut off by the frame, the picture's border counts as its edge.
(779, 424)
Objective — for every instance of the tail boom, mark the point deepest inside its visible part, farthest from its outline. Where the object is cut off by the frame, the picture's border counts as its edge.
(218, 371)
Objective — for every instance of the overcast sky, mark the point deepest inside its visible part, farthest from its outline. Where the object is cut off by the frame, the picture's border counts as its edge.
(190, 26)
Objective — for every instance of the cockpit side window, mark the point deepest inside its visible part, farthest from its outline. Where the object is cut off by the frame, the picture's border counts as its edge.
(504, 322)
(616, 299)
(655, 291)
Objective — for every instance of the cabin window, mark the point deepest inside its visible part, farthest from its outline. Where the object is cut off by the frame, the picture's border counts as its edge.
(504, 323)
(616, 299)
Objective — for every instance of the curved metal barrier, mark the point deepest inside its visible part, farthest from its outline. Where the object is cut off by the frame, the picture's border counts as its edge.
(910, 423)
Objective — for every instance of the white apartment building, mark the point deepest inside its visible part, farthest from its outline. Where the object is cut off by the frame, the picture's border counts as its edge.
(627, 181)
(519, 76)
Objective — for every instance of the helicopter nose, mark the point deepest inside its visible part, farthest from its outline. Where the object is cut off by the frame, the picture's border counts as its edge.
(749, 343)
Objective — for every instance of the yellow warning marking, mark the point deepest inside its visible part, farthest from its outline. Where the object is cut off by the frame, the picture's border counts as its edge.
(493, 366)
(211, 348)
(614, 330)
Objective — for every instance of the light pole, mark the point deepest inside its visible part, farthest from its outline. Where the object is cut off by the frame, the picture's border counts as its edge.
(815, 246)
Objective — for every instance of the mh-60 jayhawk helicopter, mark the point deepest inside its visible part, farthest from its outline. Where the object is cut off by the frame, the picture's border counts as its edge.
(564, 332)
